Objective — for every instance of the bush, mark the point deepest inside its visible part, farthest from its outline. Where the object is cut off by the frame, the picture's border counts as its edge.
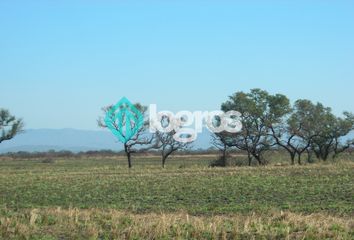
(219, 162)
(48, 160)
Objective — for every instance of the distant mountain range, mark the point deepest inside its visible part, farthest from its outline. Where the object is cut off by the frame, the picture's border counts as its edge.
(40, 140)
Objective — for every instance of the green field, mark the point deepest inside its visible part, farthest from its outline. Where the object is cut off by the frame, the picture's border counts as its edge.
(102, 199)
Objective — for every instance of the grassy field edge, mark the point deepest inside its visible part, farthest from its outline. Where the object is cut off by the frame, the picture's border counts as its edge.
(74, 223)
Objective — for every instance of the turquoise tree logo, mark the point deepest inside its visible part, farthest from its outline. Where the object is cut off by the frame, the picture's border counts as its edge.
(124, 120)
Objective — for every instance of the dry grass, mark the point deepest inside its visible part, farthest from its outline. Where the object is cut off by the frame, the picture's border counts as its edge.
(112, 224)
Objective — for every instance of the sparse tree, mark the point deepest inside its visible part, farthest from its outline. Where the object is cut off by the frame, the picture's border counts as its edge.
(166, 142)
(141, 139)
(10, 126)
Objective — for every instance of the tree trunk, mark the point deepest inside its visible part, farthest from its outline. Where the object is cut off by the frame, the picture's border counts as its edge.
(127, 152)
(317, 153)
(224, 157)
(163, 161)
(299, 159)
(129, 160)
(292, 156)
(309, 156)
(325, 155)
(259, 159)
(249, 159)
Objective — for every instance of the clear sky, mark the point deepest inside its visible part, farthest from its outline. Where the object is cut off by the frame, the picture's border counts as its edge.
(61, 62)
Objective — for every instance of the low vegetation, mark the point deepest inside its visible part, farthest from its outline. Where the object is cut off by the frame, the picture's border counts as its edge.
(99, 198)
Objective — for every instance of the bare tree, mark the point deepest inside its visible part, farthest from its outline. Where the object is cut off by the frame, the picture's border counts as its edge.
(128, 123)
(166, 142)
(9, 125)
(168, 145)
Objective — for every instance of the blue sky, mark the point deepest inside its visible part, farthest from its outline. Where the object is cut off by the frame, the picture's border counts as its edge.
(61, 62)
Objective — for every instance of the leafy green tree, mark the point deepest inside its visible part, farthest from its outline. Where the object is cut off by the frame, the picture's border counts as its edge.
(9, 125)
(314, 128)
(330, 140)
(342, 128)
(322, 122)
(295, 134)
(259, 111)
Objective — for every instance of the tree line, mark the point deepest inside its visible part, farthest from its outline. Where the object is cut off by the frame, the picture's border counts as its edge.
(269, 122)
(305, 130)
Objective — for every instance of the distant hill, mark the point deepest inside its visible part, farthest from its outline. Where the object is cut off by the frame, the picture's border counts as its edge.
(40, 140)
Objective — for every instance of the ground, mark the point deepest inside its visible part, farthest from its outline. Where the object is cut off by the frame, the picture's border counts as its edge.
(99, 198)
